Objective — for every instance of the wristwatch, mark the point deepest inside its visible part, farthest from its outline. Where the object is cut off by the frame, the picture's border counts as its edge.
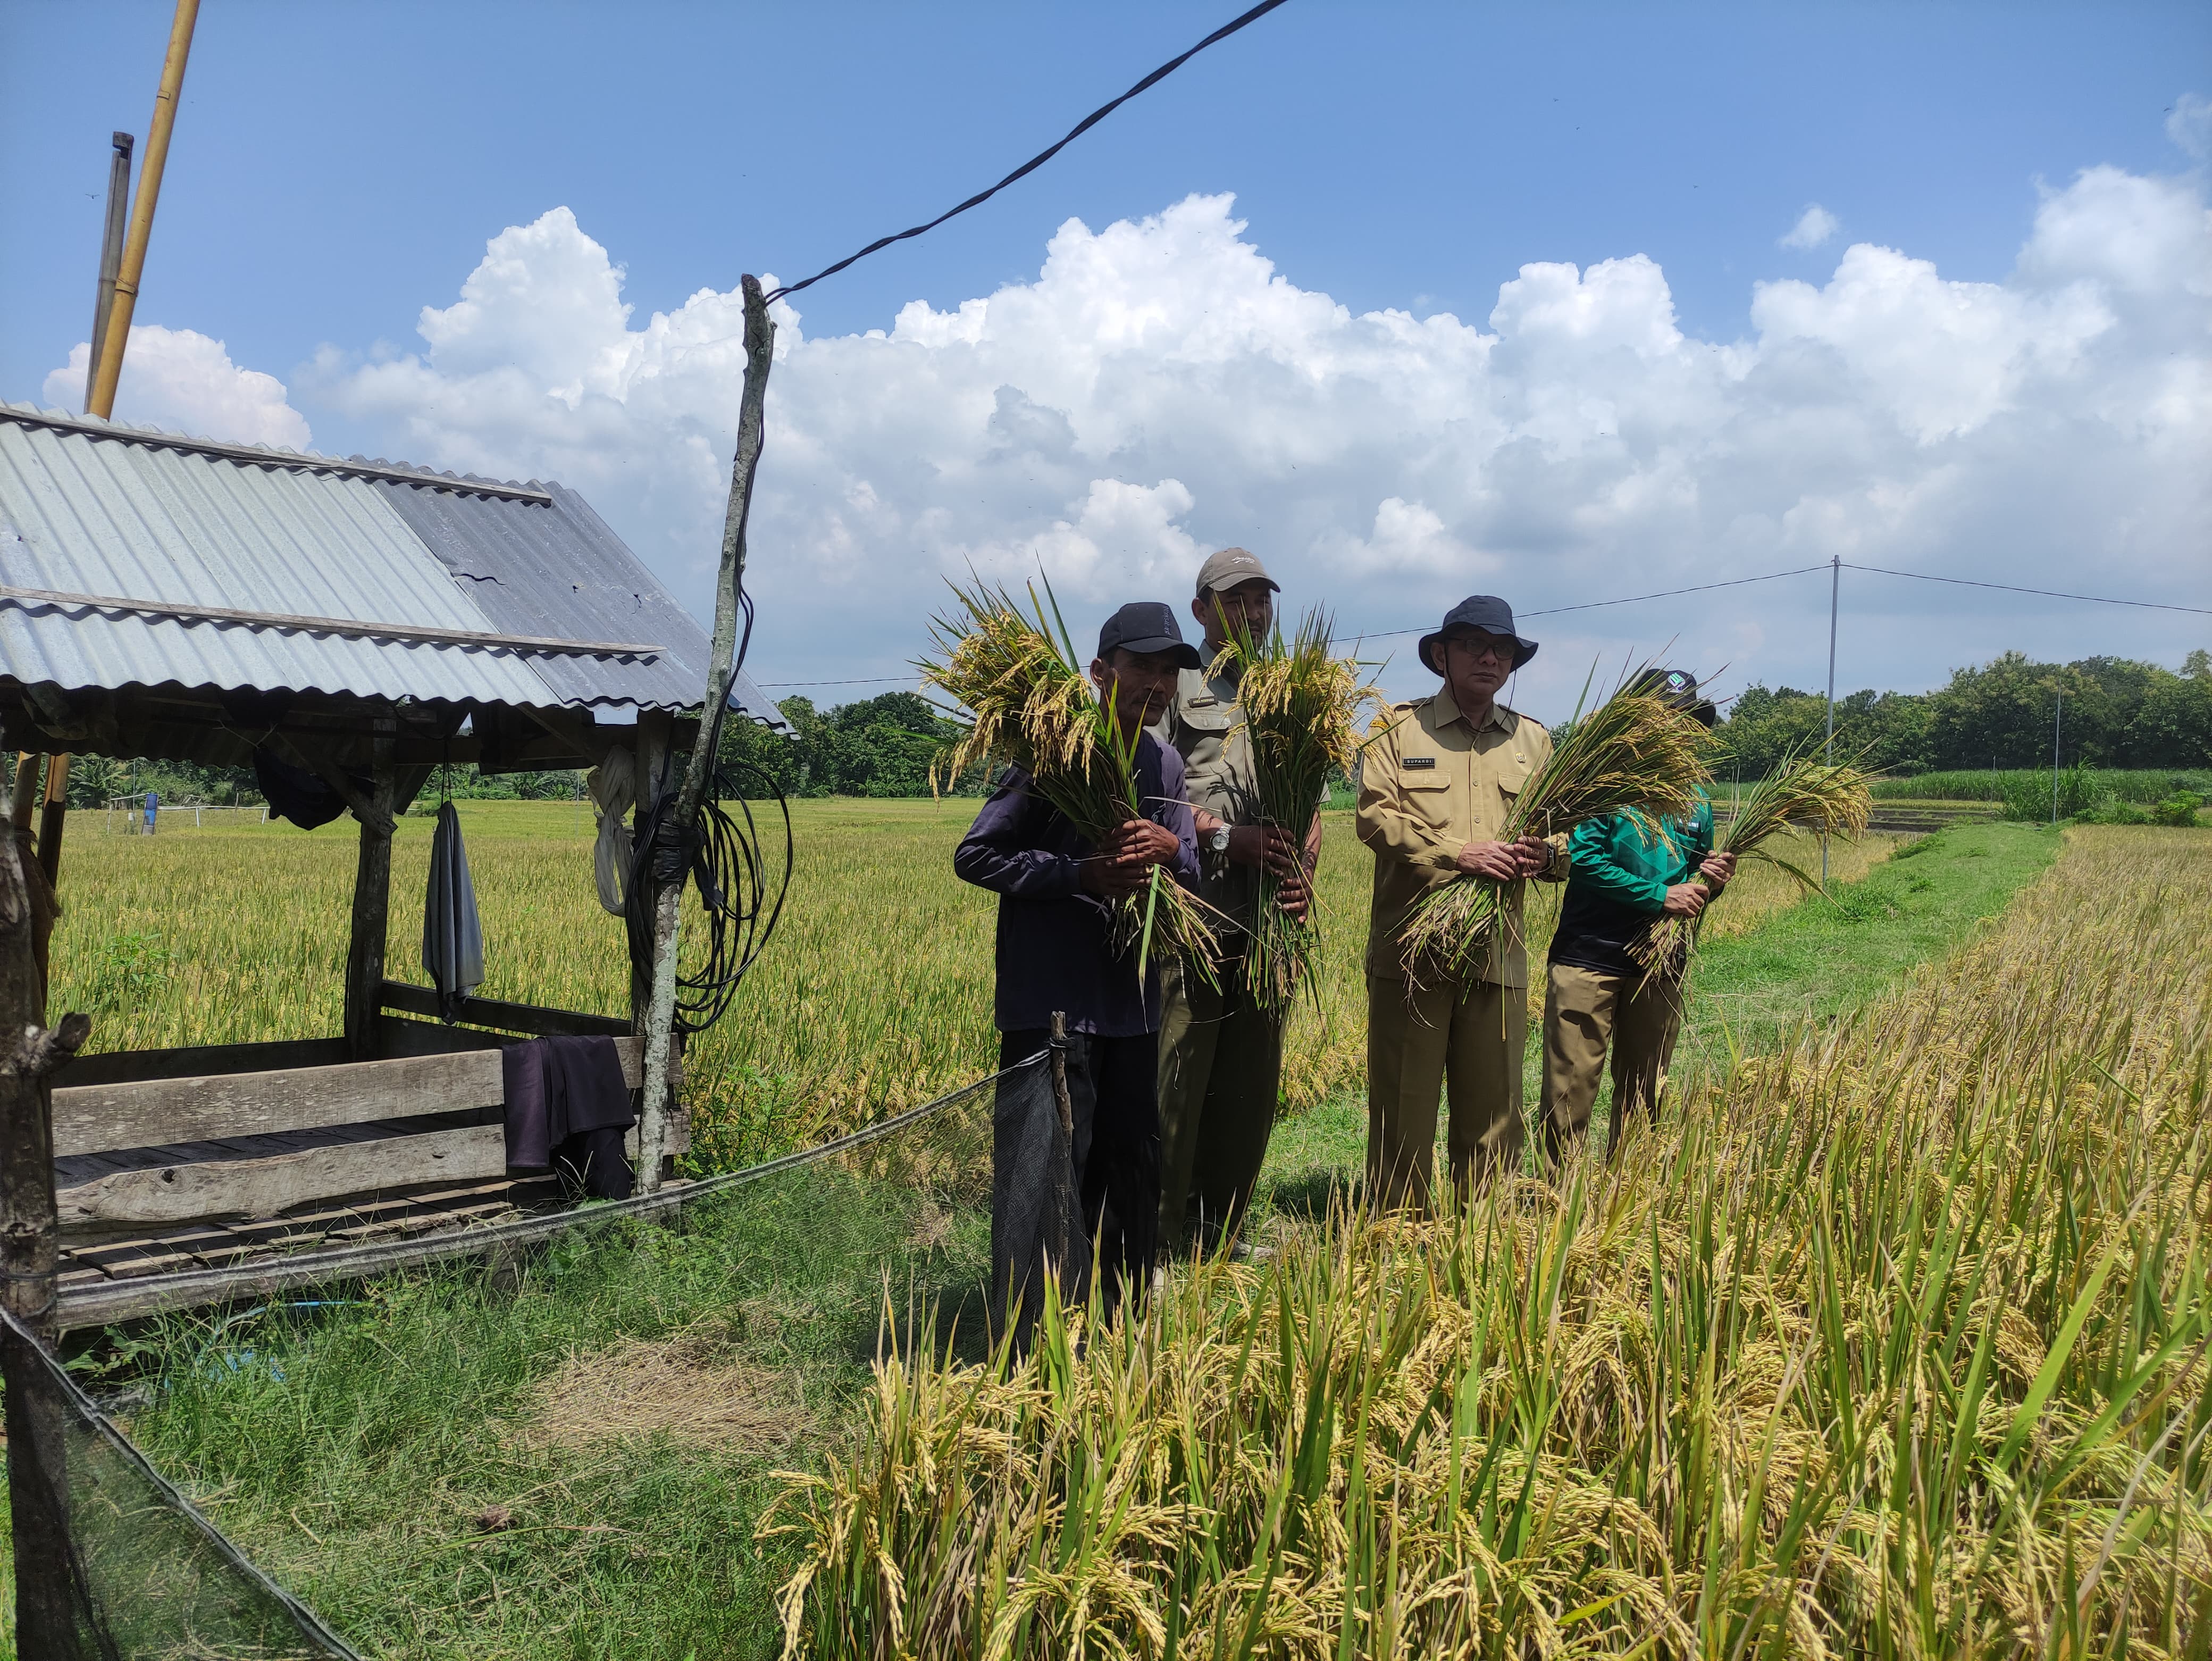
(1218, 841)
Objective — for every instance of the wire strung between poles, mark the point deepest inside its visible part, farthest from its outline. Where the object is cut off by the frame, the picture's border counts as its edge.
(1040, 159)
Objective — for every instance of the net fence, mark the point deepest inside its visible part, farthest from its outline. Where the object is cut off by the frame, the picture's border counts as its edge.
(118, 1563)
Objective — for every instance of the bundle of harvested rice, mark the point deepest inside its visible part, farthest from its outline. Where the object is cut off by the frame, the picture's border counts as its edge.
(1300, 706)
(1027, 701)
(1801, 794)
(1633, 754)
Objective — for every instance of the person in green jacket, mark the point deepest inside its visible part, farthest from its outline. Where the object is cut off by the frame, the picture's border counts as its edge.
(1622, 878)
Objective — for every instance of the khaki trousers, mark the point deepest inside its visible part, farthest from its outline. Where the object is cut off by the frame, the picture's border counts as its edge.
(1586, 1010)
(1221, 1070)
(1468, 1048)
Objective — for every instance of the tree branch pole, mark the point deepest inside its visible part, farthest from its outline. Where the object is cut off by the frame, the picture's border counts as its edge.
(660, 1018)
(38, 1475)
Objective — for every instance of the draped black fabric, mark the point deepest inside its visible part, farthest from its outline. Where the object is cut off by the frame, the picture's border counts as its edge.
(452, 936)
(295, 793)
(567, 1109)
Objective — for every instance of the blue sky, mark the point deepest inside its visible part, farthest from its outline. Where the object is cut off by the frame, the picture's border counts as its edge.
(339, 168)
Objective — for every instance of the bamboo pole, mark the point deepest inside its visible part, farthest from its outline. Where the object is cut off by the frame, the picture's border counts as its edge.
(660, 1018)
(109, 370)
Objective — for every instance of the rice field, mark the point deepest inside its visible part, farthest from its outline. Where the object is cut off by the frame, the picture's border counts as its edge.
(874, 994)
(1890, 1343)
(2142, 785)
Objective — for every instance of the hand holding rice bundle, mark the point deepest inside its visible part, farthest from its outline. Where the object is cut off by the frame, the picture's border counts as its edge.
(1027, 703)
(1635, 754)
(1300, 706)
(1801, 794)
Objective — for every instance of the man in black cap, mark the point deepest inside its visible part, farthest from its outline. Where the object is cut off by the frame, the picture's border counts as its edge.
(1596, 992)
(1436, 785)
(1221, 1054)
(1055, 896)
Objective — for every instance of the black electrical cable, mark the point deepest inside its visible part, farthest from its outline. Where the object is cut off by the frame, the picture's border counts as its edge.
(741, 890)
(1044, 156)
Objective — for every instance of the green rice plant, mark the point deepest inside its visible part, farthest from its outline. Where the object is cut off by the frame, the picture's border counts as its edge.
(1801, 794)
(1300, 710)
(1028, 702)
(1893, 1344)
(2142, 785)
(1633, 754)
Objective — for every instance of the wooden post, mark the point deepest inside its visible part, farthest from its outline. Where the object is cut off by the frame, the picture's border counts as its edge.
(660, 1014)
(30, 772)
(38, 1475)
(51, 821)
(371, 909)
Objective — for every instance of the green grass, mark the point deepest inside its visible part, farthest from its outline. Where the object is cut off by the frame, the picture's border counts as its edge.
(2145, 785)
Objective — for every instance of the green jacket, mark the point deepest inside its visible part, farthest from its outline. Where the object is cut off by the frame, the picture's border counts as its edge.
(1618, 882)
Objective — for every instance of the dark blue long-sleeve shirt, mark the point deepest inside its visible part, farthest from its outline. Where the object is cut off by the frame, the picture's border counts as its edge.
(1052, 952)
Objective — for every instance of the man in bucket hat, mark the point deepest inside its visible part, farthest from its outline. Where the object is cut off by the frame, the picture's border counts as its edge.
(1435, 789)
(1221, 1054)
(1595, 992)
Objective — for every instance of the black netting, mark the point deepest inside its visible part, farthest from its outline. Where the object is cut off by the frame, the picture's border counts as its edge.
(133, 1573)
(1037, 1228)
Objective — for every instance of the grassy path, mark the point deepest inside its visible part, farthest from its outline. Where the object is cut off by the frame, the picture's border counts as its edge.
(364, 1456)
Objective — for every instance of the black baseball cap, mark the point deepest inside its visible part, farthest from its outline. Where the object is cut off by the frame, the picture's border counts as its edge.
(1147, 625)
(1485, 611)
(1678, 690)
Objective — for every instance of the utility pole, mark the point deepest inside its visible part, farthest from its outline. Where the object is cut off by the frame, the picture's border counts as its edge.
(2057, 714)
(1828, 753)
(111, 252)
(679, 827)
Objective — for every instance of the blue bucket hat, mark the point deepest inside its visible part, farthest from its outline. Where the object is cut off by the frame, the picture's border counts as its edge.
(1485, 611)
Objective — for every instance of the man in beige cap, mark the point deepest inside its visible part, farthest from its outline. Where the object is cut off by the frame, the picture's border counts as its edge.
(1436, 787)
(1221, 1056)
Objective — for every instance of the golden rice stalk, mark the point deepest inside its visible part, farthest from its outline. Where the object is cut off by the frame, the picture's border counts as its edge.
(1801, 794)
(1633, 754)
(1301, 708)
(1027, 703)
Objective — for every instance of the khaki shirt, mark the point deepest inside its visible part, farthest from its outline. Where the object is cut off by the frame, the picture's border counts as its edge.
(1428, 785)
(1206, 727)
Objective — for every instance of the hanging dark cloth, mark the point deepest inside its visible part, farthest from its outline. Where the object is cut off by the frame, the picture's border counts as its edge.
(452, 938)
(568, 1110)
(295, 793)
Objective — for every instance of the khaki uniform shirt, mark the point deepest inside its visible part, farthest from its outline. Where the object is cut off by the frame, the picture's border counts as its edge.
(1428, 785)
(1206, 727)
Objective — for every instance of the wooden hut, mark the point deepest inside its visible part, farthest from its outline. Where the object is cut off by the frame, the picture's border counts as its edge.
(175, 598)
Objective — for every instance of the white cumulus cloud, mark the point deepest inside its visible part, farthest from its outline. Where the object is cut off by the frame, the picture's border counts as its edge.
(1814, 226)
(1159, 389)
(182, 381)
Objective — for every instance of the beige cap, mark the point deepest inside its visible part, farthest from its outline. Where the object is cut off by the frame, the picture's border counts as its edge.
(1231, 567)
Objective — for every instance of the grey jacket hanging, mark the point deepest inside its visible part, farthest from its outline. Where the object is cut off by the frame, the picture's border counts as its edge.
(452, 939)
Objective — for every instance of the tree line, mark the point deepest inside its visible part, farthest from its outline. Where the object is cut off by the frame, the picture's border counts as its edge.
(2116, 713)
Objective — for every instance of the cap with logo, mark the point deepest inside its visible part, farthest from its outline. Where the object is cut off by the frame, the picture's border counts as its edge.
(1229, 567)
(1485, 611)
(1147, 625)
(1678, 690)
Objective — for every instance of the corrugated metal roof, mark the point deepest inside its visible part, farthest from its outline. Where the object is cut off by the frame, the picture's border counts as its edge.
(93, 508)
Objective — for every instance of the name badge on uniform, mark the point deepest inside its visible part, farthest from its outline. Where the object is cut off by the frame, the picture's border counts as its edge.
(1415, 763)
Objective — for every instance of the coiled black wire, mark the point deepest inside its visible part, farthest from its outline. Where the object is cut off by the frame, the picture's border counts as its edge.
(723, 856)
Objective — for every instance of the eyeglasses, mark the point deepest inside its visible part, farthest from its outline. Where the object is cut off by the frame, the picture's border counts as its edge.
(1487, 646)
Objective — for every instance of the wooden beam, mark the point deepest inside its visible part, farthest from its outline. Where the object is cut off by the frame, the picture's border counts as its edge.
(260, 1187)
(347, 628)
(195, 1060)
(523, 1018)
(51, 818)
(99, 1118)
(372, 907)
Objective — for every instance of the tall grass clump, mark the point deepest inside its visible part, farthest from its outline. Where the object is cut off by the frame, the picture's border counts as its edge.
(1893, 1344)
(1801, 794)
(1027, 701)
(1301, 706)
(1633, 754)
